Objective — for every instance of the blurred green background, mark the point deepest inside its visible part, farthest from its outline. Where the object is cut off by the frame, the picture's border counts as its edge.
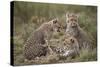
(28, 16)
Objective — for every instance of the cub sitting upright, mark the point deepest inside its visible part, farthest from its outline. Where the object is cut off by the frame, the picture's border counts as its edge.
(36, 44)
(75, 30)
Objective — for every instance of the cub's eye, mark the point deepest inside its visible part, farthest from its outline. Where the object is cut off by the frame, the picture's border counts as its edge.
(55, 21)
(75, 20)
(72, 40)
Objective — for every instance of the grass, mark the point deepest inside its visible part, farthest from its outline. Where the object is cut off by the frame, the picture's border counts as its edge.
(24, 13)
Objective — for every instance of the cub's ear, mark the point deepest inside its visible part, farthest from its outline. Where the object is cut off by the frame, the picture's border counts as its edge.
(55, 21)
(72, 40)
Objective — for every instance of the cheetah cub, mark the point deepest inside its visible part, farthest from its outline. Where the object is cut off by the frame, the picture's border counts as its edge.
(68, 46)
(37, 43)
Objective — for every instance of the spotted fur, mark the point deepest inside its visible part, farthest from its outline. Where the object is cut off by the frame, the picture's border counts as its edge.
(36, 44)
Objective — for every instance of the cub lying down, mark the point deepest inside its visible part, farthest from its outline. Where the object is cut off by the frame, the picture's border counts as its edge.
(68, 47)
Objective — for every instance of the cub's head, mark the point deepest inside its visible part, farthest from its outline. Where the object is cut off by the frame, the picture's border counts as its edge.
(69, 42)
(56, 25)
(71, 20)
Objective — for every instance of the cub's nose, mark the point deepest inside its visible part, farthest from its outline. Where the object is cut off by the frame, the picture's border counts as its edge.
(73, 25)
